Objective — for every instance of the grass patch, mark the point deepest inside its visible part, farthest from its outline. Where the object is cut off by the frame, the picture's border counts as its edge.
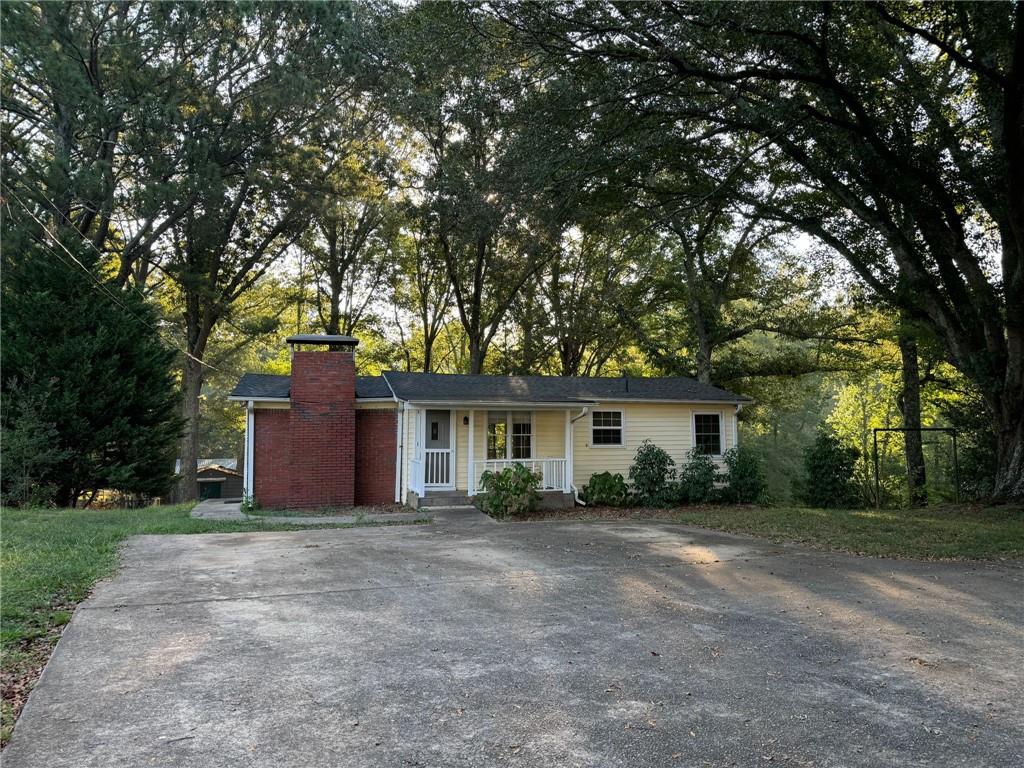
(50, 560)
(954, 531)
(945, 532)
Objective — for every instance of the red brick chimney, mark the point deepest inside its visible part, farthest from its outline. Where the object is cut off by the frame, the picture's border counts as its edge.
(322, 421)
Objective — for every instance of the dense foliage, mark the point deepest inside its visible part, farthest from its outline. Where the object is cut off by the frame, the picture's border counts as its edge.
(652, 474)
(89, 402)
(511, 492)
(745, 194)
(697, 478)
(829, 467)
(606, 489)
(743, 477)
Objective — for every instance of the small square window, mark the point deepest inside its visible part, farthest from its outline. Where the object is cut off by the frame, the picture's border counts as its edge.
(606, 428)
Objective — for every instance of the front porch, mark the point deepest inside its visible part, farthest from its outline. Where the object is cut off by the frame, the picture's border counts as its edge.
(450, 448)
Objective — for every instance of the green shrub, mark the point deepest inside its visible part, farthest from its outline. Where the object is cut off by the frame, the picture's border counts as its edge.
(829, 465)
(745, 483)
(511, 492)
(697, 479)
(606, 488)
(652, 474)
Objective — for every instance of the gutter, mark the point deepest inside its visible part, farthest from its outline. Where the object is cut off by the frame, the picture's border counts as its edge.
(400, 406)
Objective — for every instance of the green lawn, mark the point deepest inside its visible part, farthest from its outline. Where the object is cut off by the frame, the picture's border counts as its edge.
(49, 561)
(969, 532)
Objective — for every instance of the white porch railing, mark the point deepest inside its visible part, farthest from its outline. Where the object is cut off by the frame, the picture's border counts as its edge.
(550, 471)
(438, 467)
(416, 476)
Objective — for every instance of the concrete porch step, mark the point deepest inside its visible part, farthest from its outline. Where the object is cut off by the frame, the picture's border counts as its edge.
(445, 499)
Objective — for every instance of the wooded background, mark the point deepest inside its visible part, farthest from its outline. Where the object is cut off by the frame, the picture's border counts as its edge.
(820, 206)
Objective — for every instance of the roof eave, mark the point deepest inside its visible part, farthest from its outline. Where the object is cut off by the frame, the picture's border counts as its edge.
(418, 403)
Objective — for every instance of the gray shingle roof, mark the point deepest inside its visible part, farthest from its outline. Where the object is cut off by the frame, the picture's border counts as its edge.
(258, 386)
(551, 389)
(482, 389)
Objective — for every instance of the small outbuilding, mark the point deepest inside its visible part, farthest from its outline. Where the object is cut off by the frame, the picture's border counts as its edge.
(218, 482)
(216, 478)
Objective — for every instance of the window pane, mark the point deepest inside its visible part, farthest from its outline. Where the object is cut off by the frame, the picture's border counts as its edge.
(497, 435)
(707, 433)
(521, 447)
(607, 437)
(607, 419)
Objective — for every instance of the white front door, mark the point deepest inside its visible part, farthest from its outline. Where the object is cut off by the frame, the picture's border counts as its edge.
(439, 458)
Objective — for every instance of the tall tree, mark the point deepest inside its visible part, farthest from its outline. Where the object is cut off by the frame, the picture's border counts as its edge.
(905, 123)
(461, 98)
(603, 268)
(257, 119)
(422, 288)
(909, 403)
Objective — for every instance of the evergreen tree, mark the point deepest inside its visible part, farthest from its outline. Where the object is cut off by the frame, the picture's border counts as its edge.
(84, 368)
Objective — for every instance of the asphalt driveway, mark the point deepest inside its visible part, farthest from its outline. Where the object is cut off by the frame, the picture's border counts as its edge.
(541, 644)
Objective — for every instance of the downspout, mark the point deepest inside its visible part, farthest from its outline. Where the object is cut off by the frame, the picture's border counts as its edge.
(399, 440)
(572, 485)
(250, 444)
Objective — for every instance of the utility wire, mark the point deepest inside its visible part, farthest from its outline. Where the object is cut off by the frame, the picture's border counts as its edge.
(99, 284)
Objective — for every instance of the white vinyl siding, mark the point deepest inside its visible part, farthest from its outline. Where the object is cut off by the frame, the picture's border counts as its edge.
(667, 425)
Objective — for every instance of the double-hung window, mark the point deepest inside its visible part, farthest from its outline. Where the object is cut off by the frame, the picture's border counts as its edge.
(606, 428)
(509, 435)
(707, 433)
(522, 435)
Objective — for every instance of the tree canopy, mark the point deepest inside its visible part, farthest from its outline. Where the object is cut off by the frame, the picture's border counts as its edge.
(808, 203)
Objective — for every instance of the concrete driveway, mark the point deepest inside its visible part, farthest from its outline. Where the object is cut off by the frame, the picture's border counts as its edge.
(542, 644)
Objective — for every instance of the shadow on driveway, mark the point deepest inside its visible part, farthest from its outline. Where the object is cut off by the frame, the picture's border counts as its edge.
(534, 644)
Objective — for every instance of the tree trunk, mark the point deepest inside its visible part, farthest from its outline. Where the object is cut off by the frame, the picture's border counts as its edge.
(1009, 423)
(477, 352)
(910, 406)
(703, 359)
(191, 386)
(428, 354)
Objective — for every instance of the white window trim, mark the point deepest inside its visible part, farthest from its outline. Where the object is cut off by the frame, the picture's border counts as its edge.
(721, 431)
(508, 434)
(622, 428)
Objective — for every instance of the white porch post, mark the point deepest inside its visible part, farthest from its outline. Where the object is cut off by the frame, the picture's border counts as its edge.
(399, 457)
(567, 482)
(250, 442)
(470, 475)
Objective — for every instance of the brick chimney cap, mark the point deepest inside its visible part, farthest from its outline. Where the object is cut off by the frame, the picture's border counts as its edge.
(331, 341)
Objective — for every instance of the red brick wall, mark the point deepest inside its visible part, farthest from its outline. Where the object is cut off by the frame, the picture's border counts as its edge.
(322, 430)
(272, 465)
(375, 456)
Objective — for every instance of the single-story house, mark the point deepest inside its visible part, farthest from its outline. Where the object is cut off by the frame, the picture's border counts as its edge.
(324, 436)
